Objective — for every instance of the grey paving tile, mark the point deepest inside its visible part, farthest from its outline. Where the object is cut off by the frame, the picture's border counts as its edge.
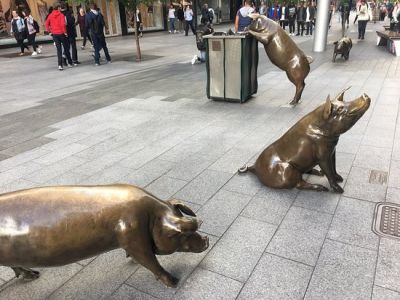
(271, 209)
(277, 278)
(388, 267)
(149, 172)
(393, 195)
(200, 189)
(373, 158)
(21, 159)
(337, 274)
(352, 223)
(6, 273)
(50, 279)
(231, 161)
(190, 167)
(110, 175)
(25, 146)
(380, 293)
(65, 141)
(140, 158)
(179, 264)
(18, 172)
(100, 136)
(358, 186)
(60, 153)
(101, 163)
(221, 210)
(46, 173)
(349, 143)
(127, 292)
(323, 202)
(69, 178)
(344, 162)
(164, 187)
(99, 279)
(203, 284)
(239, 249)
(244, 184)
(267, 192)
(18, 184)
(394, 174)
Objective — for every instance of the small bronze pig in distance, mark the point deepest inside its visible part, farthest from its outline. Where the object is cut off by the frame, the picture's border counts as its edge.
(343, 47)
(54, 226)
(310, 142)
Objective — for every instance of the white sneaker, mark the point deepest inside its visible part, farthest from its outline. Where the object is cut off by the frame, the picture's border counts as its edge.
(39, 50)
(60, 68)
(83, 47)
(175, 31)
(169, 31)
(195, 59)
(34, 53)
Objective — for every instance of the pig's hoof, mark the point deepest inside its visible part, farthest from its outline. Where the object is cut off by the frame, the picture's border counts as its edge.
(338, 178)
(293, 102)
(337, 189)
(169, 280)
(26, 273)
(321, 188)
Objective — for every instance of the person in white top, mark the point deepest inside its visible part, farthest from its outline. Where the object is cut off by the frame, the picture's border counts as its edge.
(363, 17)
(189, 20)
(32, 27)
(284, 15)
(171, 18)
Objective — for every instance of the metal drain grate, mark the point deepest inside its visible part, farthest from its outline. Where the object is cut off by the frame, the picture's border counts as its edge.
(387, 220)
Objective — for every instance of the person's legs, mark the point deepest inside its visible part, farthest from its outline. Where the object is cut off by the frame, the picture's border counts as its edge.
(187, 28)
(105, 49)
(96, 45)
(192, 27)
(72, 41)
(31, 41)
(21, 45)
(65, 43)
(57, 41)
(202, 55)
(359, 29)
(307, 28)
(302, 27)
(363, 29)
(311, 27)
(298, 27)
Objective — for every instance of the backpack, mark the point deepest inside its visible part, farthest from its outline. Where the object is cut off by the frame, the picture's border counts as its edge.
(36, 26)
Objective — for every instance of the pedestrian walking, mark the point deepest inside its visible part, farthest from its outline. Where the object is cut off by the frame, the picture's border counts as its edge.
(243, 19)
(263, 9)
(301, 17)
(56, 26)
(275, 12)
(171, 18)
(189, 20)
(291, 17)
(310, 18)
(180, 15)
(81, 22)
(138, 23)
(71, 32)
(205, 14)
(18, 29)
(283, 21)
(32, 28)
(363, 17)
(95, 27)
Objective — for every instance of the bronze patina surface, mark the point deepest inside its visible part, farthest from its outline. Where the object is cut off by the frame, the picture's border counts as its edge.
(343, 47)
(53, 226)
(282, 51)
(308, 143)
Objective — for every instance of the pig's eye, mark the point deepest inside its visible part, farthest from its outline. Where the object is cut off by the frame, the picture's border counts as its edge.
(340, 109)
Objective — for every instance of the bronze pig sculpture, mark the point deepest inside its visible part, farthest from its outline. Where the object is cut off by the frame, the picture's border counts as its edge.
(282, 51)
(54, 226)
(343, 47)
(309, 142)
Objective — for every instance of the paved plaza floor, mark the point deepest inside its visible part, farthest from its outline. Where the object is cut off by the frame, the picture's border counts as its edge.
(151, 124)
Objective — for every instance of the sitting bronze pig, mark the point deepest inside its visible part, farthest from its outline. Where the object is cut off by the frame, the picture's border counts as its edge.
(282, 51)
(343, 47)
(53, 226)
(310, 142)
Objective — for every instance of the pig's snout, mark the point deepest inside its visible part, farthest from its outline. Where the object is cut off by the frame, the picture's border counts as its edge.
(366, 98)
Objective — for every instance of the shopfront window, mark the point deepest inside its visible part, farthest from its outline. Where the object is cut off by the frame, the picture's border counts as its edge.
(152, 17)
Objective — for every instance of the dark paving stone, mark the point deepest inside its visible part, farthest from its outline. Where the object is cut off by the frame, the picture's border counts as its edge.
(3, 156)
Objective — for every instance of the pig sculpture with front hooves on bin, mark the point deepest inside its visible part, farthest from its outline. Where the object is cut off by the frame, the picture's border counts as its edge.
(311, 141)
(54, 226)
(282, 51)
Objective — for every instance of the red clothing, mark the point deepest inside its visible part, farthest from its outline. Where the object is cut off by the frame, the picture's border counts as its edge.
(55, 23)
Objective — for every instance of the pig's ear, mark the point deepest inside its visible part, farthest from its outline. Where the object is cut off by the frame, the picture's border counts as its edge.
(327, 108)
(188, 224)
(182, 207)
(341, 94)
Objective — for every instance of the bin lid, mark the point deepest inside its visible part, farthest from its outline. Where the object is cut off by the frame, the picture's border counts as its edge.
(224, 35)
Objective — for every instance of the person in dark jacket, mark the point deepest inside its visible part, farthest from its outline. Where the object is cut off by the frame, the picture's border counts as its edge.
(19, 30)
(275, 12)
(180, 15)
(205, 14)
(95, 26)
(291, 17)
(81, 22)
(242, 19)
(301, 17)
(202, 30)
(71, 32)
(55, 24)
(138, 23)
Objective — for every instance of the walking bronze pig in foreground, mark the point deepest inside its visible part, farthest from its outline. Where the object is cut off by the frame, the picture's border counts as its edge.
(54, 226)
(310, 142)
(282, 51)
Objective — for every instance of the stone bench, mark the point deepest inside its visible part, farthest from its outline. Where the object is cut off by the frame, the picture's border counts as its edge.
(389, 39)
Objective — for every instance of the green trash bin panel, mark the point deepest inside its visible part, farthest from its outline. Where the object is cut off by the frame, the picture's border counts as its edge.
(231, 67)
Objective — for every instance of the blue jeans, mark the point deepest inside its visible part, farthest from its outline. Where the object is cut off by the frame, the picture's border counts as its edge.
(171, 24)
(99, 42)
(202, 55)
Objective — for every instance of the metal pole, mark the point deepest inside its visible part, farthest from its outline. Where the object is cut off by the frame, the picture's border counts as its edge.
(321, 26)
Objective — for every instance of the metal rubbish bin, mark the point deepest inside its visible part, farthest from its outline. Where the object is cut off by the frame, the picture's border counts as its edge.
(231, 66)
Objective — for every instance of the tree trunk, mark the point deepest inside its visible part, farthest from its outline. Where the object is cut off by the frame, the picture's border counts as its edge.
(138, 52)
